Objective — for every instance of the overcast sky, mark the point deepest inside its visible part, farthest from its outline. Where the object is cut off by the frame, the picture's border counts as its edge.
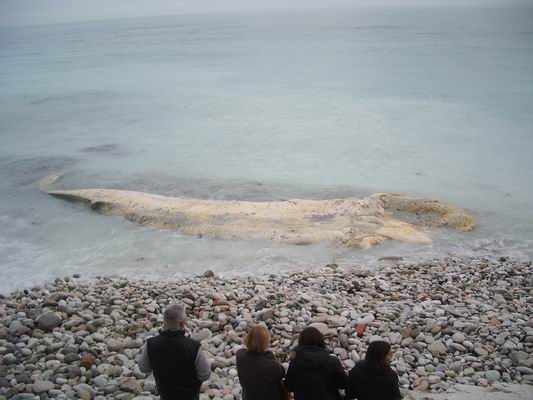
(29, 12)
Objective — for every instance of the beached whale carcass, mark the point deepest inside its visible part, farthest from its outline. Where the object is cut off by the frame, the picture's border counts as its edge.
(350, 222)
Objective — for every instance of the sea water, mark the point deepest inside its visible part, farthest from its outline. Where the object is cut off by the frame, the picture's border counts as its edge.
(433, 102)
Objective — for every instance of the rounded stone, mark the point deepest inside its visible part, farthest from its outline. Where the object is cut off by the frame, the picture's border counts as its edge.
(525, 370)
(115, 345)
(458, 337)
(437, 348)
(49, 321)
(493, 376)
(9, 359)
(480, 351)
(71, 357)
(87, 361)
(42, 386)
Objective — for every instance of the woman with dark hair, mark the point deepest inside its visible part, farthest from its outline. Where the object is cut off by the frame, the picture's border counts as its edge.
(373, 378)
(259, 373)
(313, 373)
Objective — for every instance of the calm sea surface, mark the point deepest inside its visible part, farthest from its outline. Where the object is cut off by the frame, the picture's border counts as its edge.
(310, 104)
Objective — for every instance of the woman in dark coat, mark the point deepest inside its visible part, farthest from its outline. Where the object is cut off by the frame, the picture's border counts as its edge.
(259, 373)
(373, 378)
(314, 374)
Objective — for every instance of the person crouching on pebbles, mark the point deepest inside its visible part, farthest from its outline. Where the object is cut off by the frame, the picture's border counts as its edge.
(178, 362)
(314, 374)
(373, 378)
(259, 373)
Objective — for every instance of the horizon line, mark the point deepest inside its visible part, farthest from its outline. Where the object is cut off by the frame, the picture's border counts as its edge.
(195, 13)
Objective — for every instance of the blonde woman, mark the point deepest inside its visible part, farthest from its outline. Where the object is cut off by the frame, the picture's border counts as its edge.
(259, 373)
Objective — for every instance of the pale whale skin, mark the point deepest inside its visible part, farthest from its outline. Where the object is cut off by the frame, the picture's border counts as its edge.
(350, 222)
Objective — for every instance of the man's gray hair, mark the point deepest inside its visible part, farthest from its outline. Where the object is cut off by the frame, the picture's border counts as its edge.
(174, 316)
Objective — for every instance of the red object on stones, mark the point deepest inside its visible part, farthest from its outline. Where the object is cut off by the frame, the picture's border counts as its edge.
(360, 329)
(87, 361)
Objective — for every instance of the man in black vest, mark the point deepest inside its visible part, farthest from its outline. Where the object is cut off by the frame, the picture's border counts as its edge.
(178, 362)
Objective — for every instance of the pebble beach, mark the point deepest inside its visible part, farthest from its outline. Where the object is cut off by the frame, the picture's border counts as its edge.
(460, 327)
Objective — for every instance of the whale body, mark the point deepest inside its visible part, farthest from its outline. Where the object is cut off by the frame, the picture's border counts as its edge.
(350, 222)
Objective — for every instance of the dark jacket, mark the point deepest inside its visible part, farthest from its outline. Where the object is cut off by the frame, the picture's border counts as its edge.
(367, 382)
(260, 376)
(172, 356)
(314, 374)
